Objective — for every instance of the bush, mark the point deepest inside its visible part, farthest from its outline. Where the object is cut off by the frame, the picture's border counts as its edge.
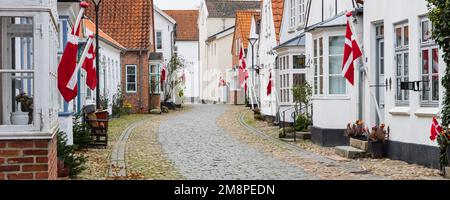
(118, 103)
(104, 102)
(81, 133)
(302, 122)
(66, 153)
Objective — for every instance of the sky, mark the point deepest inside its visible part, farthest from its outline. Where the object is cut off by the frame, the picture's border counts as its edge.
(177, 4)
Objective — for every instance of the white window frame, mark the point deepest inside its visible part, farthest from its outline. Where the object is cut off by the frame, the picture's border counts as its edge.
(301, 13)
(157, 74)
(317, 65)
(328, 75)
(126, 79)
(401, 50)
(292, 14)
(156, 46)
(35, 125)
(430, 46)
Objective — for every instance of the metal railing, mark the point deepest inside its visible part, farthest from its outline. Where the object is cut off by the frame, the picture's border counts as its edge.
(297, 112)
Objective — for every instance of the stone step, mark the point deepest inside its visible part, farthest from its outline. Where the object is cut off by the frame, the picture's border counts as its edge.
(299, 135)
(359, 144)
(447, 172)
(350, 152)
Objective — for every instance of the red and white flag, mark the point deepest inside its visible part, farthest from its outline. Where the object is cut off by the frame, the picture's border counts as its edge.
(163, 74)
(68, 65)
(243, 72)
(88, 65)
(351, 53)
(269, 85)
(222, 82)
(436, 129)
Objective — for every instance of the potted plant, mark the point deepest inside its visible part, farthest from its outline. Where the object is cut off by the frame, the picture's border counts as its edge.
(24, 113)
(357, 130)
(377, 139)
(443, 139)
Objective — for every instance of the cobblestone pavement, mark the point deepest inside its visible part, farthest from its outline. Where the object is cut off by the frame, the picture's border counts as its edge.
(200, 149)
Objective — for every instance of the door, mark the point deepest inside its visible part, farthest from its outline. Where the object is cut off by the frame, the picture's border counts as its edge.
(380, 80)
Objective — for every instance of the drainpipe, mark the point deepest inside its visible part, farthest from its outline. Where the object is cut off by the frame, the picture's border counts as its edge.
(140, 79)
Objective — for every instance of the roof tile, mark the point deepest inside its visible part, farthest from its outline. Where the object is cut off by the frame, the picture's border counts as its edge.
(187, 29)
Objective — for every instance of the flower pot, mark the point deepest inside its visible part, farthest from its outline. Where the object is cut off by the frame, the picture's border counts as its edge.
(376, 148)
(20, 118)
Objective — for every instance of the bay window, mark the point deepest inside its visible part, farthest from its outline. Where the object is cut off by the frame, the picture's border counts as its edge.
(17, 70)
(318, 66)
(401, 62)
(130, 76)
(429, 66)
(298, 62)
(336, 80)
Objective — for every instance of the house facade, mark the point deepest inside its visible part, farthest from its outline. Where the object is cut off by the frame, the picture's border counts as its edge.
(29, 43)
(187, 47)
(131, 24)
(399, 48)
(244, 21)
(269, 37)
(216, 23)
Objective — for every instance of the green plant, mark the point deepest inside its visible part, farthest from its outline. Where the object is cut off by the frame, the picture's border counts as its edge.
(302, 122)
(175, 67)
(181, 93)
(443, 140)
(302, 96)
(439, 15)
(104, 102)
(81, 132)
(118, 103)
(26, 102)
(75, 163)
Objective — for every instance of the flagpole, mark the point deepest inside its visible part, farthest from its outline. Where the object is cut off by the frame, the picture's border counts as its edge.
(366, 73)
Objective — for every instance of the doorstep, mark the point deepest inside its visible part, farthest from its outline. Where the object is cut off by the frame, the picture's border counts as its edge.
(350, 152)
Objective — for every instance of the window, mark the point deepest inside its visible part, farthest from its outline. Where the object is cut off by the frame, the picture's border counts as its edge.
(318, 66)
(155, 78)
(429, 66)
(159, 40)
(17, 70)
(131, 78)
(299, 79)
(401, 62)
(336, 82)
(298, 62)
(292, 13)
(301, 12)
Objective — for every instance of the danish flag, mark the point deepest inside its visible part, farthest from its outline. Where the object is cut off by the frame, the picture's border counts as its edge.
(88, 66)
(222, 82)
(243, 72)
(269, 85)
(436, 129)
(67, 68)
(351, 53)
(163, 74)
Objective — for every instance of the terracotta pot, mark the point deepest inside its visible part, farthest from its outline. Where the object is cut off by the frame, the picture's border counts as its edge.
(376, 148)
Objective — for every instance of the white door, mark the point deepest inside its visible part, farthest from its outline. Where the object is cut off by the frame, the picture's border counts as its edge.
(381, 82)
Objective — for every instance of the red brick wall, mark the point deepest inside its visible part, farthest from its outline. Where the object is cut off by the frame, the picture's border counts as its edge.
(134, 58)
(28, 159)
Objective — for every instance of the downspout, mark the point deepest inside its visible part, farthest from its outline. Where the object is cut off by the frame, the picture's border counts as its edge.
(140, 79)
(322, 10)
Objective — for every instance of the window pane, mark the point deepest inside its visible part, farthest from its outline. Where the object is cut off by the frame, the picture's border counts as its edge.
(398, 37)
(381, 66)
(406, 35)
(425, 88)
(435, 92)
(320, 46)
(315, 67)
(131, 87)
(321, 84)
(298, 62)
(315, 48)
(316, 85)
(321, 65)
(399, 91)
(158, 40)
(335, 65)
(425, 61)
(399, 64)
(298, 79)
(426, 31)
(405, 64)
(336, 45)
(337, 85)
(435, 65)
(131, 70)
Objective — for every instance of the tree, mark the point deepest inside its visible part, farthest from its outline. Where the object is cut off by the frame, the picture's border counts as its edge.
(174, 79)
(439, 13)
(302, 95)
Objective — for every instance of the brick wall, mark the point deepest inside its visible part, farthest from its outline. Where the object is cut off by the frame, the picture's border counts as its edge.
(133, 58)
(28, 159)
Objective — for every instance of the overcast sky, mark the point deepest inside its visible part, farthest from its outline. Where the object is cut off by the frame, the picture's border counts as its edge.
(177, 4)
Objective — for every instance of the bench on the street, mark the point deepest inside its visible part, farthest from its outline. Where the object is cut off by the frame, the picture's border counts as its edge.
(98, 122)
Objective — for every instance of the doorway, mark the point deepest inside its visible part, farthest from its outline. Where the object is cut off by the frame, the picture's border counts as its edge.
(379, 73)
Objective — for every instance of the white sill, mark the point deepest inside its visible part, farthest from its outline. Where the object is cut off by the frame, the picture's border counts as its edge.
(291, 30)
(330, 98)
(427, 112)
(29, 135)
(403, 111)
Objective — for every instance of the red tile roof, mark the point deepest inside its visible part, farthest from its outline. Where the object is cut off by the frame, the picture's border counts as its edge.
(277, 11)
(91, 27)
(187, 29)
(128, 22)
(243, 24)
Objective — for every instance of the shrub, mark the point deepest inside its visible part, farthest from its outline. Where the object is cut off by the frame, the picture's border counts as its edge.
(104, 102)
(81, 132)
(118, 102)
(302, 122)
(66, 153)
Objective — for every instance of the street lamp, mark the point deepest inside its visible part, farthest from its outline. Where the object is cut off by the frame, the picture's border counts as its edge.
(97, 61)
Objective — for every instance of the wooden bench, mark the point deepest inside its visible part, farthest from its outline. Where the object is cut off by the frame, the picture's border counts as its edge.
(98, 122)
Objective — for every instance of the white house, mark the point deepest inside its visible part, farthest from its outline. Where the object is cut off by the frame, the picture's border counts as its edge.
(399, 48)
(291, 60)
(216, 23)
(187, 47)
(28, 65)
(269, 37)
(109, 71)
(334, 100)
